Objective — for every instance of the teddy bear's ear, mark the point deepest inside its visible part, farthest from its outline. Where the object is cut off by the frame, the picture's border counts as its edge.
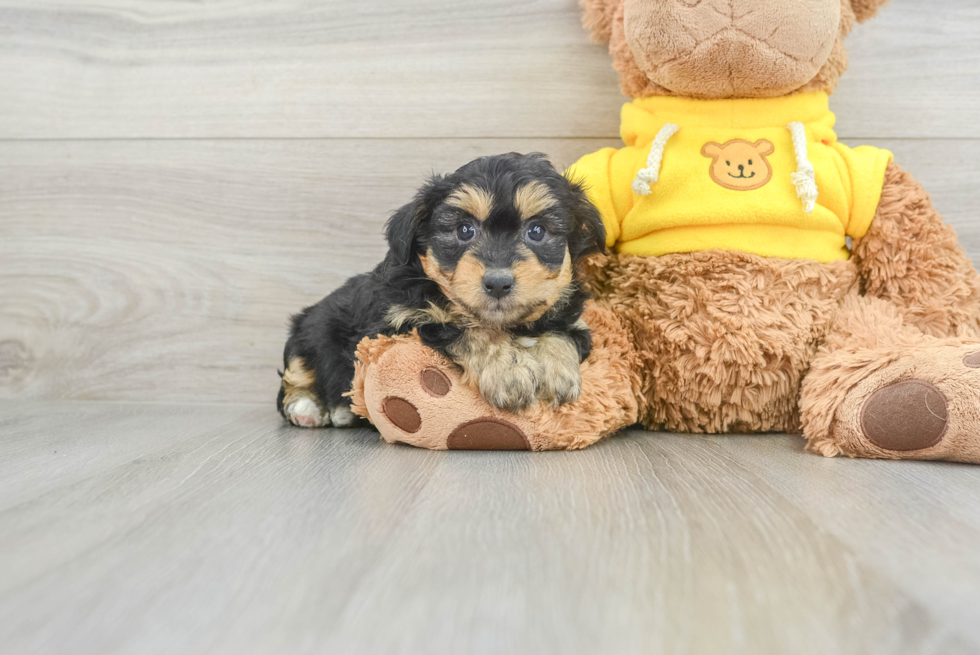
(866, 9)
(711, 149)
(597, 17)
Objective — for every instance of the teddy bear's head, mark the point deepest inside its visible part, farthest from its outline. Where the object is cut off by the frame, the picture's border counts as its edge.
(726, 48)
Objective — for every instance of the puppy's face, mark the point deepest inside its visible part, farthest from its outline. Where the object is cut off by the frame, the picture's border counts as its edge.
(503, 240)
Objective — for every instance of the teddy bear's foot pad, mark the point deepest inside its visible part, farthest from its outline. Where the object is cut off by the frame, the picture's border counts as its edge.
(906, 415)
(925, 404)
(402, 414)
(488, 434)
(435, 382)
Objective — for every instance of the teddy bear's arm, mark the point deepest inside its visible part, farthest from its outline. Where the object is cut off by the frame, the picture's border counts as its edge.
(912, 259)
(593, 172)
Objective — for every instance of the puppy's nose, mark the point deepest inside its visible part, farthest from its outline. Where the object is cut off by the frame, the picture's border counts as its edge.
(498, 283)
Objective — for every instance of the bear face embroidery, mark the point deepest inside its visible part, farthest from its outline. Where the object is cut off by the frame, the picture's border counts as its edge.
(739, 164)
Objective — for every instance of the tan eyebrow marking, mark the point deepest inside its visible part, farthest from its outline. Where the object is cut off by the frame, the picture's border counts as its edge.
(477, 202)
(532, 199)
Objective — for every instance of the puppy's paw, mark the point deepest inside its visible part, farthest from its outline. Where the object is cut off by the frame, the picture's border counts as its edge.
(304, 412)
(562, 384)
(560, 379)
(514, 373)
(342, 417)
(510, 383)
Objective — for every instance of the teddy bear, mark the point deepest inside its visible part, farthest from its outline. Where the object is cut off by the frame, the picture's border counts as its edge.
(759, 276)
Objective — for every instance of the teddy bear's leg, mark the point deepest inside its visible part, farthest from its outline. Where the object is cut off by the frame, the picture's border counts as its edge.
(414, 395)
(881, 388)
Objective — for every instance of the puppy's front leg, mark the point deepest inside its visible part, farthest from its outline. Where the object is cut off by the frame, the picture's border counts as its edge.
(513, 372)
(504, 370)
(558, 359)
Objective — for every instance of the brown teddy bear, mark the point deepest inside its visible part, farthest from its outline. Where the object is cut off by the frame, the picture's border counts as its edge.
(762, 276)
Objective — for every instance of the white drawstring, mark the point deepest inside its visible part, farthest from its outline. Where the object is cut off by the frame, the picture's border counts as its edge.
(651, 173)
(805, 178)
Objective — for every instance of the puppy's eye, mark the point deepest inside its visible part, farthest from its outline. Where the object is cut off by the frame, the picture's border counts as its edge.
(465, 232)
(535, 233)
(750, 162)
(728, 163)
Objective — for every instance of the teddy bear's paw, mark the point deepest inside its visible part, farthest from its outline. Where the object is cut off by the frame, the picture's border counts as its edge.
(415, 396)
(925, 406)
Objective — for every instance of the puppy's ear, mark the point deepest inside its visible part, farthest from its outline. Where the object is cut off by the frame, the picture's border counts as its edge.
(406, 229)
(588, 234)
(400, 232)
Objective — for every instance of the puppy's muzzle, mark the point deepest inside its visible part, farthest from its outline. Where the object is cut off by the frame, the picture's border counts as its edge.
(498, 283)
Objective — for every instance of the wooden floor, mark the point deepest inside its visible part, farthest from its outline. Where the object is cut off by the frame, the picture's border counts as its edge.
(133, 528)
(176, 178)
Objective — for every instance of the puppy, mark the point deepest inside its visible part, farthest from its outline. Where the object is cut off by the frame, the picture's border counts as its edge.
(483, 263)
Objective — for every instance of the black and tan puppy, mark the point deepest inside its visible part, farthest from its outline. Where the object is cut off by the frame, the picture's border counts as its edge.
(483, 264)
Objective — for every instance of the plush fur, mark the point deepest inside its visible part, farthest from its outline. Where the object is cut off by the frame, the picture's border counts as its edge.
(607, 21)
(912, 259)
(723, 337)
(483, 264)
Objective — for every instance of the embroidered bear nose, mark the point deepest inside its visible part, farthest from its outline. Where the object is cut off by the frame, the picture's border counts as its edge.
(741, 168)
(498, 283)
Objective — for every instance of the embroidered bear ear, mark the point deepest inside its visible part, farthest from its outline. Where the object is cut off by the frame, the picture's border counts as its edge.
(711, 149)
(764, 147)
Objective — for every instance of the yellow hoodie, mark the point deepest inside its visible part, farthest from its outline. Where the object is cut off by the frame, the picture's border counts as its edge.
(764, 176)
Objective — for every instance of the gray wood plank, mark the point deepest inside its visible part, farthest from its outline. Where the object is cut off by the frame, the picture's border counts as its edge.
(47, 445)
(914, 73)
(419, 68)
(295, 68)
(167, 270)
(255, 537)
(916, 523)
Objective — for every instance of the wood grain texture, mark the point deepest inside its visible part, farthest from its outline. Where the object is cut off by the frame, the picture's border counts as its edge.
(167, 270)
(416, 68)
(903, 516)
(237, 534)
